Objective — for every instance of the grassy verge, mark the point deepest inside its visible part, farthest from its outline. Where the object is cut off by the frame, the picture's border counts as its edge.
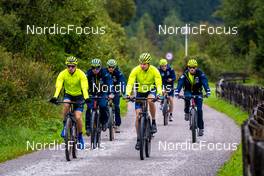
(234, 165)
(123, 107)
(39, 123)
(19, 133)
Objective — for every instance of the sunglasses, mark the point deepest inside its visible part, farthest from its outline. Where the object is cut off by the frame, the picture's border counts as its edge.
(111, 67)
(71, 66)
(192, 67)
(97, 68)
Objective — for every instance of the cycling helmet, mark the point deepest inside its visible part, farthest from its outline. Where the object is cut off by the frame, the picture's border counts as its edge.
(71, 60)
(163, 62)
(192, 63)
(96, 62)
(145, 58)
(111, 63)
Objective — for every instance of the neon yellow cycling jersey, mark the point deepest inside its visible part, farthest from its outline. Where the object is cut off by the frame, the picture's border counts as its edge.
(74, 84)
(146, 80)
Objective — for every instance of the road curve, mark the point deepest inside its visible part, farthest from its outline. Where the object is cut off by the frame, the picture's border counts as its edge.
(172, 153)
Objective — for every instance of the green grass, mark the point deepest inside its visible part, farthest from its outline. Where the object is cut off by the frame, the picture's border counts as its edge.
(32, 121)
(233, 167)
(123, 107)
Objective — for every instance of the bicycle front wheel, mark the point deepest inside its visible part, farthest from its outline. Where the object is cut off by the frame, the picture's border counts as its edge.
(165, 112)
(68, 139)
(193, 116)
(93, 130)
(142, 136)
(111, 124)
(148, 136)
(75, 141)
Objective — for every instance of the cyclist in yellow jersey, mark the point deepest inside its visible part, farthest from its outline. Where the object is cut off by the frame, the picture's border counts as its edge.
(147, 80)
(75, 84)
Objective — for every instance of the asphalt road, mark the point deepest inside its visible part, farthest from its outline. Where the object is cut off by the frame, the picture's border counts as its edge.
(172, 152)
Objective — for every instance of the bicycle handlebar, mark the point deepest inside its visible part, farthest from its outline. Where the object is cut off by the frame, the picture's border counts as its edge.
(133, 99)
(71, 102)
(192, 96)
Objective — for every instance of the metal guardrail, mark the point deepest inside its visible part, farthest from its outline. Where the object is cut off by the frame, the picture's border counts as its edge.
(253, 143)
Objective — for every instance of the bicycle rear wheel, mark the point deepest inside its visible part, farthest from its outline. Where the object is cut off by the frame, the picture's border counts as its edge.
(193, 116)
(68, 139)
(165, 112)
(111, 124)
(142, 136)
(148, 138)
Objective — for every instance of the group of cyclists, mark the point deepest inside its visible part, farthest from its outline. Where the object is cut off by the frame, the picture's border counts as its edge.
(145, 80)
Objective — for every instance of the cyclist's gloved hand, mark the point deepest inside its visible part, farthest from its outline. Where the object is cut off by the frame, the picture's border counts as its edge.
(177, 94)
(54, 100)
(208, 94)
(111, 96)
(87, 100)
(160, 97)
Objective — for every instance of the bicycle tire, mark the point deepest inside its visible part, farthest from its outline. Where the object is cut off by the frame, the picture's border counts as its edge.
(148, 138)
(68, 138)
(142, 137)
(193, 125)
(93, 130)
(98, 130)
(111, 124)
(165, 112)
(75, 140)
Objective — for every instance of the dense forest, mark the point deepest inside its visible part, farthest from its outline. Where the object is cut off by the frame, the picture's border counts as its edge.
(30, 62)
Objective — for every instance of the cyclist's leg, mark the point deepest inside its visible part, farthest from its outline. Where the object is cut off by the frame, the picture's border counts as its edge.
(171, 94)
(103, 111)
(66, 107)
(199, 104)
(88, 117)
(138, 110)
(78, 109)
(186, 105)
(117, 110)
(152, 107)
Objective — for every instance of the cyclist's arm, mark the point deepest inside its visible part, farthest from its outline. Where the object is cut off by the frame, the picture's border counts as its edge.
(180, 83)
(158, 81)
(131, 81)
(59, 84)
(205, 83)
(84, 85)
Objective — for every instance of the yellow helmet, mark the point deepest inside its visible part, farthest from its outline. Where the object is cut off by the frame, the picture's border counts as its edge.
(71, 60)
(163, 62)
(144, 58)
(192, 63)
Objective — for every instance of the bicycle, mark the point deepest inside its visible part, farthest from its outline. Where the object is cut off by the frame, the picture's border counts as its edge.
(144, 122)
(96, 126)
(165, 109)
(70, 131)
(193, 115)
